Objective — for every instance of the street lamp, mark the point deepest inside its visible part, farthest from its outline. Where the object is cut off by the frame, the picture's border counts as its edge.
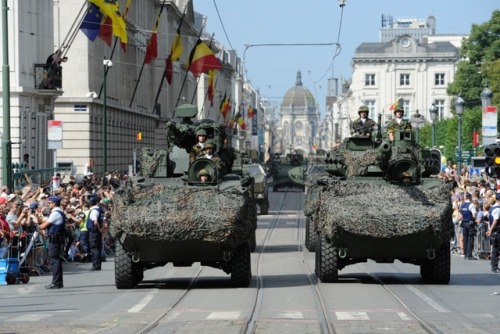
(459, 108)
(106, 64)
(486, 96)
(433, 111)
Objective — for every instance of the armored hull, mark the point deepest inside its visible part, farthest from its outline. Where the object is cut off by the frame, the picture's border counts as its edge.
(379, 201)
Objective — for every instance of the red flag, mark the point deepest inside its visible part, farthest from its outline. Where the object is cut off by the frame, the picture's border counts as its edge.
(250, 112)
(202, 59)
(106, 31)
(152, 50)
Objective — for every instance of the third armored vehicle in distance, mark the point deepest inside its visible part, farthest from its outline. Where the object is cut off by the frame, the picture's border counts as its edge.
(287, 171)
(379, 200)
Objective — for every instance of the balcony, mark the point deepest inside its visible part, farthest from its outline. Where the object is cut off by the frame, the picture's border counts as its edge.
(48, 78)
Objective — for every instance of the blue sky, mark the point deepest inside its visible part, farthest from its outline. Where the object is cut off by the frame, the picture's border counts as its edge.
(273, 69)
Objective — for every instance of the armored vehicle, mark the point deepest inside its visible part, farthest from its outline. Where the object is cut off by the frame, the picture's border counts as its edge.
(244, 165)
(176, 216)
(287, 171)
(379, 200)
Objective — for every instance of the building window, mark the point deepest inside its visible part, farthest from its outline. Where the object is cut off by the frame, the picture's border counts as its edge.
(440, 105)
(372, 113)
(404, 79)
(369, 79)
(406, 108)
(439, 79)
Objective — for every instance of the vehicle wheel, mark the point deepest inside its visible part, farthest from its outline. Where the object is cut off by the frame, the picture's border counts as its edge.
(125, 271)
(253, 242)
(329, 271)
(25, 278)
(310, 241)
(317, 257)
(241, 271)
(264, 207)
(10, 279)
(439, 268)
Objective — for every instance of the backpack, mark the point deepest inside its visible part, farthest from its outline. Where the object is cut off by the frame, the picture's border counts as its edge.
(100, 219)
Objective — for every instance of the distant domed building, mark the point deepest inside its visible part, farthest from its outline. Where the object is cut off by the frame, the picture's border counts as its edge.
(299, 120)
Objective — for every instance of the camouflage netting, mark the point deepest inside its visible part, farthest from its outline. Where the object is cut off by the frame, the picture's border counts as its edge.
(384, 210)
(150, 160)
(160, 212)
(314, 174)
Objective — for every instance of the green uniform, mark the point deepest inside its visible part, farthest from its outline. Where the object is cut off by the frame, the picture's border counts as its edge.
(361, 128)
(402, 126)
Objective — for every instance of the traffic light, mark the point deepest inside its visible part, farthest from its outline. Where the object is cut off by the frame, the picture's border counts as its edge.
(492, 159)
(138, 136)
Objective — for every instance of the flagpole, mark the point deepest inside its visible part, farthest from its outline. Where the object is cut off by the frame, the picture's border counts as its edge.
(144, 62)
(107, 68)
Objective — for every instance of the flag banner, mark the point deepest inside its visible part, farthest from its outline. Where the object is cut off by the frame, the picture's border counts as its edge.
(111, 8)
(106, 31)
(202, 59)
(175, 55)
(152, 49)
(254, 122)
(250, 112)
(127, 6)
(241, 121)
(397, 103)
(91, 23)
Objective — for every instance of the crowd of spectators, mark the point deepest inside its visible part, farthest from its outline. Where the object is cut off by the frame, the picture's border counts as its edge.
(476, 192)
(21, 212)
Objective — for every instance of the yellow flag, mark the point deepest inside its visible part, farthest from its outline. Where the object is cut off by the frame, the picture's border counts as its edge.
(111, 9)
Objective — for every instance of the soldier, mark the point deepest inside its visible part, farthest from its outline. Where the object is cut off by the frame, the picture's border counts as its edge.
(197, 149)
(363, 126)
(209, 153)
(204, 176)
(398, 123)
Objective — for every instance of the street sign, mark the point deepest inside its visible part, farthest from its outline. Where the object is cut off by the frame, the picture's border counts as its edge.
(489, 129)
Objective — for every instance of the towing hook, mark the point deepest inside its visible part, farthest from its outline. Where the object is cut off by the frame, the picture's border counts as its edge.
(431, 253)
(136, 257)
(226, 255)
(342, 252)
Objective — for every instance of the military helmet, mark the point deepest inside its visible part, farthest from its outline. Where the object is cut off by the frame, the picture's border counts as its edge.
(399, 109)
(363, 109)
(203, 172)
(201, 132)
(209, 144)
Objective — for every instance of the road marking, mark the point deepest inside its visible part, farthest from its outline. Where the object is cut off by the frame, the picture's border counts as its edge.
(291, 315)
(144, 301)
(223, 316)
(30, 317)
(351, 316)
(403, 316)
(431, 302)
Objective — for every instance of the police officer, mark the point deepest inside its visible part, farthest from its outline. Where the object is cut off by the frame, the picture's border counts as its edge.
(363, 126)
(197, 149)
(398, 123)
(55, 223)
(494, 233)
(95, 225)
(468, 211)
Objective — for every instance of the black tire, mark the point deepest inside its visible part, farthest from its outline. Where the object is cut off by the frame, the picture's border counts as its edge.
(439, 268)
(329, 272)
(241, 271)
(264, 207)
(253, 242)
(310, 241)
(125, 275)
(317, 257)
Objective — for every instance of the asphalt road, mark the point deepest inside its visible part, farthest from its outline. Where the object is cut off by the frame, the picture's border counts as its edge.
(284, 296)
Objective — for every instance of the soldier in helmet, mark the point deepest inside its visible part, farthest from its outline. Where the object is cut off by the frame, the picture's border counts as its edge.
(204, 176)
(209, 153)
(363, 126)
(197, 149)
(398, 123)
